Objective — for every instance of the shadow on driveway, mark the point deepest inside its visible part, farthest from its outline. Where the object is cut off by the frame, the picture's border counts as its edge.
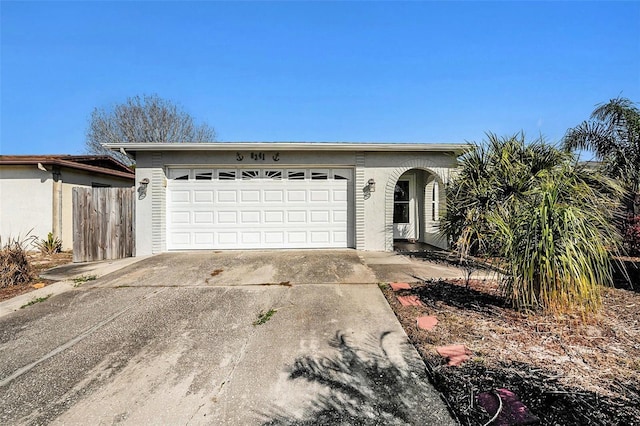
(365, 386)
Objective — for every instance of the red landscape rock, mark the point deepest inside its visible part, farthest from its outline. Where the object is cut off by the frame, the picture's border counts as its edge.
(455, 354)
(411, 300)
(400, 286)
(427, 323)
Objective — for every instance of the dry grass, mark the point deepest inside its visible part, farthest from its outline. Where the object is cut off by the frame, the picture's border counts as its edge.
(15, 268)
(549, 360)
(39, 262)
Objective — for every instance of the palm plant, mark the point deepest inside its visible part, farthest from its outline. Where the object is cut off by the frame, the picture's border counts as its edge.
(613, 134)
(546, 217)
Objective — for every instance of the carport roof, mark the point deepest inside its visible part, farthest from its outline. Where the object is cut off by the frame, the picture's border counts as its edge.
(457, 148)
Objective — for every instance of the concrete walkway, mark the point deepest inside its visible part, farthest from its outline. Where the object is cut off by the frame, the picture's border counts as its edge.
(284, 337)
(64, 275)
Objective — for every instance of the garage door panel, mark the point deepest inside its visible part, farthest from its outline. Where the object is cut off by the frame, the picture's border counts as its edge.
(203, 196)
(227, 217)
(320, 237)
(249, 217)
(339, 216)
(257, 213)
(183, 196)
(249, 195)
(250, 237)
(227, 196)
(203, 217)
(181, 238)
(227, 238)
(339, 196)
(206, 238)
(318, 195)
(274, 217)
(297, 237)
(340, 237)
(320, 216)
(274, 237)
(297, 196)
(181, 218)
(273, 196)
(297, 216)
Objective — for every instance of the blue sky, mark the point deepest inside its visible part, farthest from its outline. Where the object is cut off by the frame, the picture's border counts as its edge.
(316, 71)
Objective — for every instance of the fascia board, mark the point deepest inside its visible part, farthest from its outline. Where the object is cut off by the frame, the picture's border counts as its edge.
(292, 146)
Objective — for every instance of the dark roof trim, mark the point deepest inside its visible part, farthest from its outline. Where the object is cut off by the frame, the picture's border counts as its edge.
(102, 164)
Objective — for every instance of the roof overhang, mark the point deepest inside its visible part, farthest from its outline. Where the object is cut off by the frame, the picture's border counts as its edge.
(456, 148)
(69, 161)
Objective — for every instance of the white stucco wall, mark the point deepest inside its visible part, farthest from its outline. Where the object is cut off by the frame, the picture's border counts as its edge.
(373, 221)
(25, 202)
(150, 210)
(144, 202)
(30, 200)
(385, 168)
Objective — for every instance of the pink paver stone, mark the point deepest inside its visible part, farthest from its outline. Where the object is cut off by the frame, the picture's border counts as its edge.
(456, 354)
(427, 323)
(400, 286)
(411, 300)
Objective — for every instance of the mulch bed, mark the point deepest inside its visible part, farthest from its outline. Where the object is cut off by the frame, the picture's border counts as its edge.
(40, 263)
(566, 370)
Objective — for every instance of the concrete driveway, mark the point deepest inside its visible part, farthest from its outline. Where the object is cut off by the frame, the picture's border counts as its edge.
(179, 339)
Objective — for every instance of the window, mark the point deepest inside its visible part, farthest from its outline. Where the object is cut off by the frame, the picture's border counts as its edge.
(340, 175)
(100, 185)
(434, 201)
(228, 174)
(250, 174)
(296, 174)
(401, 202)
(179, 174)
(204, 174)
(319, 174)
(273, 174)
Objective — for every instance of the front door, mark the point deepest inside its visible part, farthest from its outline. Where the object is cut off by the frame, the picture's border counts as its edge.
(404, 216)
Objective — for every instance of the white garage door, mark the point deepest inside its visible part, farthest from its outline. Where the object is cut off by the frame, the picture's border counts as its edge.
(257, 208)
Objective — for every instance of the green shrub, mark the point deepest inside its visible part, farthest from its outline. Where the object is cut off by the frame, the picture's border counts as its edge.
(549, 220)
(49, 246)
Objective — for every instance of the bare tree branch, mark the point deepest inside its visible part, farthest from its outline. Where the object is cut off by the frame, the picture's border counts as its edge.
(141, 119)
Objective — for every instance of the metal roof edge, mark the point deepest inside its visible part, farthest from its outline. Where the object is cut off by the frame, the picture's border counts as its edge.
(290, 146)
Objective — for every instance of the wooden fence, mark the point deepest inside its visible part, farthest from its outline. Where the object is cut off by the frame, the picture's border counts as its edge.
(103, 223)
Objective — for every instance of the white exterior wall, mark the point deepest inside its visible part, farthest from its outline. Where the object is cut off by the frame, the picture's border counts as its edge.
(372, 213)
(26, 204)
(150, 210)
(385, 168)
(30, 200)
(144, 203)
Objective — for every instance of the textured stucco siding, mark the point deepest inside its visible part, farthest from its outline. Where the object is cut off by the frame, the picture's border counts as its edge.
(372, 212)
(31, 201)
(385, 168)
(26, 204)
(144, 201)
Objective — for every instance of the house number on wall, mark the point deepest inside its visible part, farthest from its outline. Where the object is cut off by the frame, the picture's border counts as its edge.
(258, 156)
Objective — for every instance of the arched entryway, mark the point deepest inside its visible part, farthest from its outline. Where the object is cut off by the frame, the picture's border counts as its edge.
(414, 200)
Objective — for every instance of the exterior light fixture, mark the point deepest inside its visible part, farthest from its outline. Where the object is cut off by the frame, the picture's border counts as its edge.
(372, 185)
(142, 189)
